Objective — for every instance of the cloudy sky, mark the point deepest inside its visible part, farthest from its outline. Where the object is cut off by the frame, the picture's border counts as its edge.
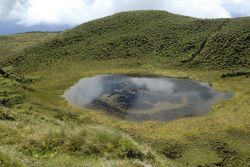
(51, 15)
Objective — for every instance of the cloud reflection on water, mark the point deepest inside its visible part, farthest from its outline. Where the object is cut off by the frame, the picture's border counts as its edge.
(140, 98)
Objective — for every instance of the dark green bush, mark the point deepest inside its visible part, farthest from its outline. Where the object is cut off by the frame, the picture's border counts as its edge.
(235, 74)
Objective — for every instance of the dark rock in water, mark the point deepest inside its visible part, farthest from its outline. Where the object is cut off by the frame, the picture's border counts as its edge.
(142, 99)
(99, 104)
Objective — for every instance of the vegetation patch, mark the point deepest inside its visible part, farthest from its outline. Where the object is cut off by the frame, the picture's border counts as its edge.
(172, 150)
(10, 92)
(235, 74)
(229, 157)
(199, 157)
(7, 161)
(6, 115)
(87, 141)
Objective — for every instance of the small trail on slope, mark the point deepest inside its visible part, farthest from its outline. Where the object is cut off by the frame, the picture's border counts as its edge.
(204, 42)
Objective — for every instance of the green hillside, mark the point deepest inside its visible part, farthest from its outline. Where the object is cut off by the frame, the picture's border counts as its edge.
(39, 128)
(173, 40)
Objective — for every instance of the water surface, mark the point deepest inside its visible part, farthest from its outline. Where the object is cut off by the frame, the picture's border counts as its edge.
(143, 98)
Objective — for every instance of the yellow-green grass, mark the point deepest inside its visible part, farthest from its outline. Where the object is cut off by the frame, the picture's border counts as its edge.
(221, 136)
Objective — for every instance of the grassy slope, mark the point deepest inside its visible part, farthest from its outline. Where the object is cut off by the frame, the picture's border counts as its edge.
(12, 44)
(44, 130)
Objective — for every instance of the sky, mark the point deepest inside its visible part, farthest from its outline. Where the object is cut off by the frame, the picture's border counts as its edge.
(56, 15)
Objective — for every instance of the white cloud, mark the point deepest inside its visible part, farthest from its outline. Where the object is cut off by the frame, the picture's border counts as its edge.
(72, 12)
(237, 7)
(199, 8)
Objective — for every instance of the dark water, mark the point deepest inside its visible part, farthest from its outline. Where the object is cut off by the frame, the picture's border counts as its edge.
(142, 99)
